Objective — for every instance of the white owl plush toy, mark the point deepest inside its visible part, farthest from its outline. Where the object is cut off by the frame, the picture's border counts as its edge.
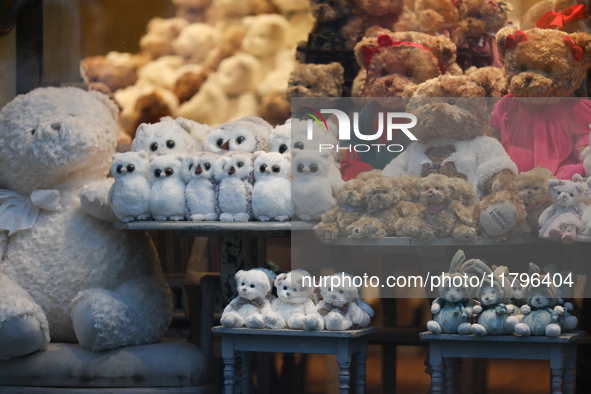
(167, 198)
(293, 302)
(198, 131)
(130, 194)
(271, 195)
(197, 172)
(247, 134)
(312, 193)
(233, 171)
(167, 137)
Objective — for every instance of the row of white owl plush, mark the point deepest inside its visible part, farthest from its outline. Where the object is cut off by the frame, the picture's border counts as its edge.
(180, 169)
(295, 308)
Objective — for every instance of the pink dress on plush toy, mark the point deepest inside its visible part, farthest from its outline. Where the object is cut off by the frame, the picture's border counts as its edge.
(546, 135)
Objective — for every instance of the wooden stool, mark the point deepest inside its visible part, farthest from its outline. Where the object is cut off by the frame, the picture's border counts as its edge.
(342, 343)
(561, 351)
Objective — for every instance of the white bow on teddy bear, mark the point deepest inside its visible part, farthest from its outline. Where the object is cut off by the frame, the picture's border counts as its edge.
(19, 212)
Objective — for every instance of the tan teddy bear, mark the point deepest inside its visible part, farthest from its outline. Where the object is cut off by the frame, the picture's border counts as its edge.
(316, 80)
(431, 17)
(351, 206)
(116, 70)
(532, 189)
(387, 200)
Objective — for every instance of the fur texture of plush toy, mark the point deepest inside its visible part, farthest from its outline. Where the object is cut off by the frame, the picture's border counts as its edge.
(116, 70)
(188, 81)
(437, 16)
(160, 72)
(541, 317)
(248, 308)
(160, 33)
(568, 280)
(271, 195)
(167, 137)
(198, 173)
(452, 311)
(338, 17)
(351, 205)
(562, 220)
(316, 80)
(387, 200)
(293, 302)
(130, 194)
(248, 134)
(195, 41)
(532, 189)
(192, 10)
(549, 64)
(167, 197)
(312, 192)
(495, 312)
(71, 277)
(234, 173)
(340, 308)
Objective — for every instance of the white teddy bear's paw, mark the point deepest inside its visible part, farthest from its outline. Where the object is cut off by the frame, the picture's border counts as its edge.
(263, 218)
(254, 321)
(197, 217)
(522, 329)
(176, 218)
(305, 217)
(226, 217)
(232, 320)
(435, 308)
(465, 328)
(477, 309)
(273, 320)
(510, 324)
(552, 330)
(20, 335)
(241, 217)
(282, 218)
(143, 216)
(525, 309)
(160, 218)
(434, 327)
(128, 219)
(296, 322)
(313, 323)
(335, 322)
(569, 306)
(478, 329)
(211, 217)
(570, 323)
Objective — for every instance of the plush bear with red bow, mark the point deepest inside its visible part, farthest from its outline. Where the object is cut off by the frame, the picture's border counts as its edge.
(550, 132)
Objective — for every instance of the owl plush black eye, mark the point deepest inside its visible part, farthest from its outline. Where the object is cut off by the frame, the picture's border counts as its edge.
(451, 102)
(157, 173)
(33, 132)
(275, 168)
(283, 149)
(340, 291)
(190, 166)
(284, 287)
(298, 145)
(130, 168)
(170, 144)
(263, 168)
(154, 147)
(168, 171)
(239, 164)
(240, 140)
(313, 168)
(207, 166)
(119, 167)
(300, 168)
(219, 143)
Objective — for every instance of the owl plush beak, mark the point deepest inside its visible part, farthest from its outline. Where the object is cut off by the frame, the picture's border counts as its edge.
(226, 145)
(231, 171)
(161, 151)
(198, 170)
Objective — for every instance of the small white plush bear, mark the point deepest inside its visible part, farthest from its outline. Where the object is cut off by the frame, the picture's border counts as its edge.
(195, 41)
(564, 292)
(247, 134)
(341, 308)
(271, 275)
(248, 307)
(293, 302)
(312, 193)
(452, 311)
(130, 194)
(562, 220)
(271, 195)
(197, 172)
(540, 316)
(234, 174)
(167, 137)
(167, 197)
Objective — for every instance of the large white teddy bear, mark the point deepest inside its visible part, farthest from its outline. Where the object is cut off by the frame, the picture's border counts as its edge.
(66, 276)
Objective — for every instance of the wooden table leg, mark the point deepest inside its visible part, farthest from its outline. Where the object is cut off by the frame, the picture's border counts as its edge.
(245, 372)
(360, 360)
(344, 361)
(569, 368)
(556, 367)
(452, 368)
(229, 359)
(436, 362)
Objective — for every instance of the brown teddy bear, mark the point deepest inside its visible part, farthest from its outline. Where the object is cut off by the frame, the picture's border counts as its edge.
(316, 80)
(387, 200)
(475, 39)
(497, 75)
(337, 23)
(381, 13)
(351, 206)
(275, 108)
(547, 133)
(431, 17)
(438, 163)
(189, 82)
(442, 212)
(116, 70)
(461, 119)
(532, 189)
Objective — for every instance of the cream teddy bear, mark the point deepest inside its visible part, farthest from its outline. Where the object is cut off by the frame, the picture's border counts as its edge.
(293, 302)
(160, 34)
(195, 41)
(248, 308)
(266, 36)
(341, 307)
(66, 276)
(160, 72)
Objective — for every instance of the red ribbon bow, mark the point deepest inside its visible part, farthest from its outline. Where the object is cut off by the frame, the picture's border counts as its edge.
(553, 19)
(575, 49)
(512, 40)
(494, 5)
(385, 41)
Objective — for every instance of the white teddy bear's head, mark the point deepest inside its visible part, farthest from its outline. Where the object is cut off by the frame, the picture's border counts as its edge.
(564, 192)
(539, 298)
(339, 289)
(252, 284)
(195, 41)
(292, 288)
(542, 295)
(53, 136)
(238, 74)
(265, 34)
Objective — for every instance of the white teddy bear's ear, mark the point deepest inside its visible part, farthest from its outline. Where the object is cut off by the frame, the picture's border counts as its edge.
(280, 278)
(580, 187)
(239, 275)
(553, 182)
